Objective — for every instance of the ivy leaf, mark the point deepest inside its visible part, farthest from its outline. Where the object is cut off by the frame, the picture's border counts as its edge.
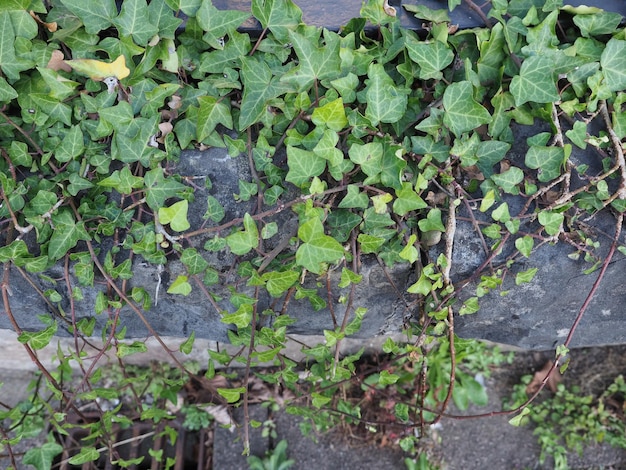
(213, 111)
(232, 395)
(525, 245)
(15, 250)
(180, 286)
(331, 115)
(214, 211)
(369, 156)
(218, 23)
(125, 349)
(158, 188)
(242, 242)
(86, 454)
(134, 21)
(602, 22)
(548, 159)
(303, 165)
(385, 101)
(71, 146)
(277, 283)
(431, 56)
(259, 87)
(187, 346)
(613, 62)
(463, 113)
(551, 221)
(407, 200)
(96, 16)
(66, 235)
(535, 82)
(42, 457)
(524, 277)
(98, 70)
(370, 243)
(317, 247)
(509, 179)
(7, 92)
(432, 222)
(193, 261)
(354, 199)
(38, 339)
(314, 63)
(327, 148)
(279, 16)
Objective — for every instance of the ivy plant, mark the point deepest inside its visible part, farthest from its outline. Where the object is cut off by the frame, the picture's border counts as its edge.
(372, 138)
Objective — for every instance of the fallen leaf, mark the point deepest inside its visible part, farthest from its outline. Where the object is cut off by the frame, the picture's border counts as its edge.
(57, 62)
(199, 389)
(552, 382)
(52, 27)
(98, 70)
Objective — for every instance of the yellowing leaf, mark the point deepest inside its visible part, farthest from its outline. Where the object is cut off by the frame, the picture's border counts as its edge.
(98, 70)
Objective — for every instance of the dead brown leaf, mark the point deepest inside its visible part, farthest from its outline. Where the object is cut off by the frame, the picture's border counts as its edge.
(199, 389)
(552, 382)
(52, 27)
(57, 63)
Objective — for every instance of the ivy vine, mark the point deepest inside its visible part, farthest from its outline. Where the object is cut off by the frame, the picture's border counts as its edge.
(373, 143)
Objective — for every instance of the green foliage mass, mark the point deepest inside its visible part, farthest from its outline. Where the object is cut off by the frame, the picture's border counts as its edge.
(384, 135)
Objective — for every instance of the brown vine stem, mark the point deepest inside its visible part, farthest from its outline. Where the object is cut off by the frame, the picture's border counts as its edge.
(122, 295)
(617, 148)
(261, 215)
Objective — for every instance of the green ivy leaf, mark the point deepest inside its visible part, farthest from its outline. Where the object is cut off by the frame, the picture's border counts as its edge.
(369, 156)
(509, 179)
(370, 243)
(327, 147)
(38, 339)
(613, 62)
(314, 63)
(277, 282)
(549, 160)
(214, 210)
(354, 198)
(317, 247)
(551, 221)
(187, 346)
(279, 16)
(180, 286)
(432, 222)
(125, 349)
(218, 23)
(86, 454)
(303, 165)
(175, 215)
(407, 200)
(385, 101)
(193, 261)
(232, 395)
(602, 22)
(523, 277)
(431, 56)
(525, 245)
(260, 86)
(159, 188)
(96, 16)
(134, 20)
(42, 457)
(348, 277)
(242, 242)
(535, 81)
(331, 115)
(469, 306)
(66, 235)
(213, 111)
(463, 113)
(409, 252)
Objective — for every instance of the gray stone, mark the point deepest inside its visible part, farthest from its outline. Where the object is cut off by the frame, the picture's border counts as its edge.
(537, 315)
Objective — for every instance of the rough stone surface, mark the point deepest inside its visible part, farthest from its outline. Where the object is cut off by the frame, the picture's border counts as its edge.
(536, 315)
